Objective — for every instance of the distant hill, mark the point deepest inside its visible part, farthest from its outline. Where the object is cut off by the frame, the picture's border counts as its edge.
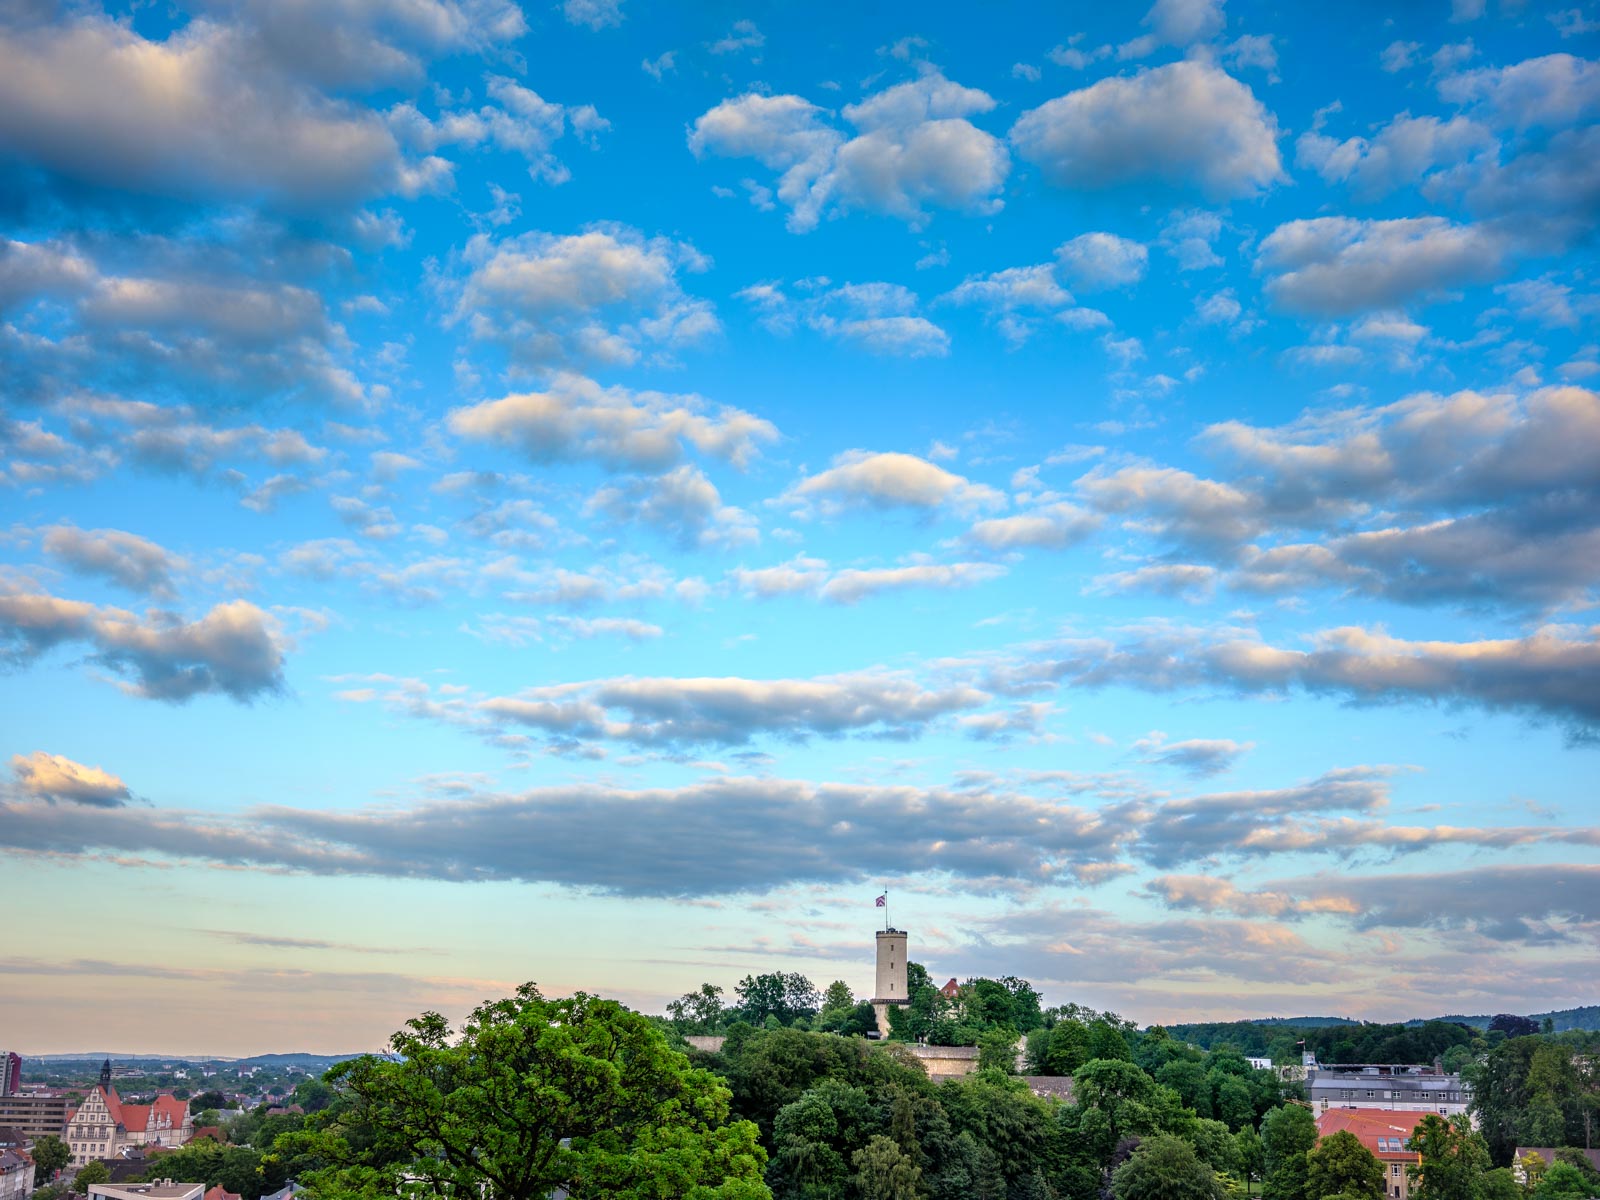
(305, 1061)
(1587, 1017)
(1305, 1022)
(300, 1058)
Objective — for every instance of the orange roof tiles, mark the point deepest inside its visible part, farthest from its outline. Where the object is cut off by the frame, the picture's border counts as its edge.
(1370, 1126)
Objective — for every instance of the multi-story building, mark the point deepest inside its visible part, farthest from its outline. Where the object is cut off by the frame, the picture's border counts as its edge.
(103, 1125)
(1391, 1087)
(16, 1175)
(10, 1073)
(35, 1116)
(1385, 1134)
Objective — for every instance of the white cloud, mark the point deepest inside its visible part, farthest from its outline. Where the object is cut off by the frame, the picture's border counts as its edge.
(1095, 261)
(1050, 527)
(682, 504)
(743, 36)
(914, 148)
(136, 563)
(596, 14)
(1332, 266)
(55, 778)
(1401, 154)
(860, 479)
(1176, 23)
(1554, 91)
(202, 114)
(1188, 124)
(577, 419)
(606, 294)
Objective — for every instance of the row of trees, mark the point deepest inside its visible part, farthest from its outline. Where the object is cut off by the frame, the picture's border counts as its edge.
(1538, 1090)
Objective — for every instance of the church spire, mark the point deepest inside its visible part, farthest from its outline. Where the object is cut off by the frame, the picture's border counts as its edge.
(105, 1075)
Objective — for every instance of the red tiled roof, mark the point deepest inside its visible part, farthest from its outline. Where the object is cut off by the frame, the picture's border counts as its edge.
(1370, 1125)
(217, 1193)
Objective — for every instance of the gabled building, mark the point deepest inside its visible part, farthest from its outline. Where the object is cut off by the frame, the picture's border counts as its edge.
(1383, 1133)
(103, 1126)
(16, 1175)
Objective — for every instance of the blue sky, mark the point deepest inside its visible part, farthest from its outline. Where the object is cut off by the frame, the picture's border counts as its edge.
(596, 492)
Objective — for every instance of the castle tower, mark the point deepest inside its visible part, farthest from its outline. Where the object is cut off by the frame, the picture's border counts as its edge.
(891, 979)
(105, 1074)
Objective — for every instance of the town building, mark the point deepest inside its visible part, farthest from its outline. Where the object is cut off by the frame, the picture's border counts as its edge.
(1385, 1135)
(10, 1073)
(35, 1116)
(163, 1189)
(16, 1175)
(103, 1126)
(1388, 1086)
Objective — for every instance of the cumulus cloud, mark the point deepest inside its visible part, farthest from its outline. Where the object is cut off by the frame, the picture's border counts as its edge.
(1197, 757)
(878, 317)
(914, 147)
(1176, 23)
(186, 316)
(849, 586)
(1465, 498)
(200, 114)
(577, 419)
(516, 120)
(606, 295)
(1187, 124)
(1334, 266)
(1049, 527)
(862, 479)
(731, 711)
(1553, 91)
(1401, 154)
(234, 649)
(814, 577)
(136, 563)
(682, 504)
(1551, 674)
(1095, 261)
(56, 778)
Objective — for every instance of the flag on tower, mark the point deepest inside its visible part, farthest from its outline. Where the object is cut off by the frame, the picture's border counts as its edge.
(883, 900)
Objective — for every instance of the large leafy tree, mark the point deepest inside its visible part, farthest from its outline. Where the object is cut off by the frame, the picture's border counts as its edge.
(50, 1154)
(1287, 1136)
(1164, 1168)
(533, 1095)
(786, 997)
(1340, 1165)
(1453, 1159)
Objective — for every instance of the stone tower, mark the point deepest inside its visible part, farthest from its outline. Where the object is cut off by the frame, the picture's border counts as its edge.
(105, 1074)
(890, 986)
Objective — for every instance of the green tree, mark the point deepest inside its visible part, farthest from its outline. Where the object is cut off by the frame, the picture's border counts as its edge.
(885, 1172)
(209, 1099)
(50, 1154)
(1165, 1168)
(1287, 1136)
(837, 1004)
(1341, 1165)
(788, 997)
(1453, 1158)
(997, 1050)
(90, 1174)
(1500, 1184)
(1563, 1181)
(1252, 1155)
(535, 1094)
(697, 1012)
